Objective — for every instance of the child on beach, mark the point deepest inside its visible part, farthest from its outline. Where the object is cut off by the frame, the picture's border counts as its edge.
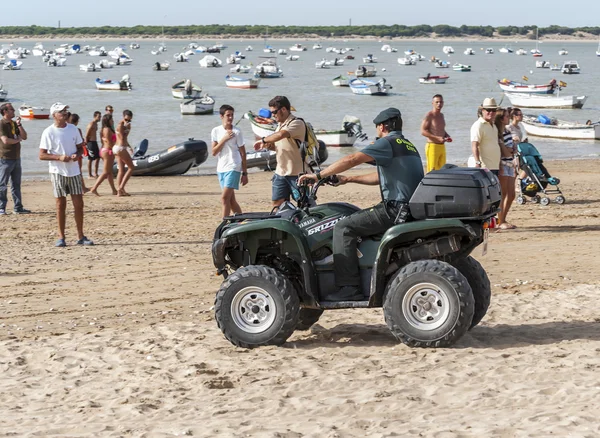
(229, 148)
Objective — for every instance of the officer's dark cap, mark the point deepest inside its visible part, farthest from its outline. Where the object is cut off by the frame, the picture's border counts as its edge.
(390, 113)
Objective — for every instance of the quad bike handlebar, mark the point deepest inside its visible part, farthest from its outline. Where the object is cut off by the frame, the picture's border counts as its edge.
(307, 195)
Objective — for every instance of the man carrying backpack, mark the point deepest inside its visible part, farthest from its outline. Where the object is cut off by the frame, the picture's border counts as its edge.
(399, 172)
(285, 141)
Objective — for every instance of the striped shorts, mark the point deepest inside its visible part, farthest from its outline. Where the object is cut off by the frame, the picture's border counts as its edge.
(66, 185)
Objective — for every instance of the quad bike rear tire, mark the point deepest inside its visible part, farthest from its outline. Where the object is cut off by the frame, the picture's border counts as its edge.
(428, 303)
(257, 306)
(480, 286)
(307, 318)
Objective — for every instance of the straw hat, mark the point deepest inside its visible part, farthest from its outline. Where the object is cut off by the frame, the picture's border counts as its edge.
(489, 103)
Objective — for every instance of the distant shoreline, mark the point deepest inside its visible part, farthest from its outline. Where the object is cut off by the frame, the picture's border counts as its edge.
(551, 38)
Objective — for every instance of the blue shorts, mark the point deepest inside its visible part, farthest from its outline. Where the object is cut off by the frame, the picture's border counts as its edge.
(282, 187)
(230, 180)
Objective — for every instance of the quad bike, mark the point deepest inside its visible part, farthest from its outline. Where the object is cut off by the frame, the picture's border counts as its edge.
(277, 266)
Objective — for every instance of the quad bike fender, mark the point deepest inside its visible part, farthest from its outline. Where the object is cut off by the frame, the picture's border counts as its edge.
(292, 244)
(406, 234)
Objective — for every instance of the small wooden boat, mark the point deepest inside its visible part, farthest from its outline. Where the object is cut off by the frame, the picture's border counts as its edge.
(365, 71)
(175, 160)
(429, 79)
(529, 100)
(186, 90)
(90, 67)
(341, 81)
(33, 112)
(461, 67)
(106, 84)
(534, 125)
(519, 87)
(370, 88)
(161, 66)
(200, 106)
(238, 82)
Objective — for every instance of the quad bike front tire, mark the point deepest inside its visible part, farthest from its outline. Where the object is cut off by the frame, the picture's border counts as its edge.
(307, 318)
(480, 286)
(257, 306)
(428, 303)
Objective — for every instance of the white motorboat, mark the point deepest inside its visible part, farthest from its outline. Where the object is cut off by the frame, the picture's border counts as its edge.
(33, 112)
(282, 52)
(570, 68)
(317, 46)
(100, 51)
(105, 63)
(529, 100)
(442, 64)
(489, 51)
(239, 68)
(370, 88)
(365, 71)
(563, 52)
(180, 57)
(210, 61)
(560, 128)
(505, 50)
(3, 94)
(521, 52)
(406, 61)
(469, 51)
(431, 79)
(448, 50)
(12, 64)
(542, 64)
(269, 49)
(239, 82)
(298, 48)
(268, 69)
(199, 106)
(57, 61)
(461, 67)
(106, 84)
(555, 67)
(249, 49)
(370, 59)
(323, 63)
(90, 67)
(292, 57)
(186, 90)
(341, 81)
(161, 66)
(134, 46)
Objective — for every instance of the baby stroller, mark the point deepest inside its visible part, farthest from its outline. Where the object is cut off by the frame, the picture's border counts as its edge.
(538, 178)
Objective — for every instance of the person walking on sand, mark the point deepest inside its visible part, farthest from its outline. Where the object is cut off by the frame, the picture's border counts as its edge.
(285, 142)
(61, 145)
(91, 140)
(11, 135)
(121, 153)
(229, 148)
(433, 128)
(107, 136)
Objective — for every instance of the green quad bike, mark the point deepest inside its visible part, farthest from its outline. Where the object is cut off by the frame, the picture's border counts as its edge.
(278, 265)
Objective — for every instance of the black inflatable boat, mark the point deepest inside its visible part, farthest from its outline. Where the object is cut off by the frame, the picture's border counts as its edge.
(175, 160)
(265, 159)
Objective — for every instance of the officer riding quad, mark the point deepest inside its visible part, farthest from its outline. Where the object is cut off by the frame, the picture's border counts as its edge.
(278, 265)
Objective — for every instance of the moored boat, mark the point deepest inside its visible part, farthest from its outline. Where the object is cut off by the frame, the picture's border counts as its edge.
(341, 81)
(239, 82)
(519, 87)
(3, 94)
(268, 69)
(161, 66)
(12, 64)
(199, 106)
(186, 90)
(370, 88)
(534, 125)
(107, 84)
(175, 160)
(365, 71)
(571, 68)
(430, 79)
(529, 100)
(210, 61)
(461, 67)
(33, 112)
(89, 67)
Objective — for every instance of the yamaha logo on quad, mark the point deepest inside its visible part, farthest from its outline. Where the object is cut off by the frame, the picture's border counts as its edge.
(307, 222)
(324, 226)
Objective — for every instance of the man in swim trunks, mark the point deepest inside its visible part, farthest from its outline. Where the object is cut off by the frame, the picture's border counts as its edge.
(433, 128)
(122, 154)
(91, 139)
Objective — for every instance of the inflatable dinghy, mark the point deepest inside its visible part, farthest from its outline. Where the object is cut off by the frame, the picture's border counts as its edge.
(265, 159)
(175, 160)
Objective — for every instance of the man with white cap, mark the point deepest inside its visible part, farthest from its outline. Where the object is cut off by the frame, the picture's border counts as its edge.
(62, 145)
(399, 172)
(484, 137)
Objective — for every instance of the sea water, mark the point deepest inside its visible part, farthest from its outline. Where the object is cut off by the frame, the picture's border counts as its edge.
(156, 114)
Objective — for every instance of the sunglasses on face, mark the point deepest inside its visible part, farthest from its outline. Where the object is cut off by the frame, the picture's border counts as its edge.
(490, 110)
(274, 112)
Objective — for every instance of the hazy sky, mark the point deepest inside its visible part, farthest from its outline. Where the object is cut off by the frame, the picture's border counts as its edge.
(572, 13)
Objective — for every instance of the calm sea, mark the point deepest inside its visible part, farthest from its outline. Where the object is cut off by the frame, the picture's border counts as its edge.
(157, 116)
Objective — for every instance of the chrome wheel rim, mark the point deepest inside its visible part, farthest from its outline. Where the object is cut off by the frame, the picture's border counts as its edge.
(426, 306)
(253, 310)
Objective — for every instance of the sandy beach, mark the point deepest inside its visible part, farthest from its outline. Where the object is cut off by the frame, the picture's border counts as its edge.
(119, 339)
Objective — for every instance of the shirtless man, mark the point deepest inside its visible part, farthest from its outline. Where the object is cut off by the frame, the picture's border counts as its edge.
(120, 150)
(434, 129)
(91, 139)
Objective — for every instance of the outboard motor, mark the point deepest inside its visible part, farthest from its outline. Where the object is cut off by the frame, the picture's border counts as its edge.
(353, 126)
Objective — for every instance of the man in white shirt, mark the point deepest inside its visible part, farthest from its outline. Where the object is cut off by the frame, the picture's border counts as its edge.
(229, 148)
(484, 137)
(62, 145)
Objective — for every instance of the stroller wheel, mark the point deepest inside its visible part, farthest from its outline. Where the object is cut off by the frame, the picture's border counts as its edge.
(545, 201)
(536, 199)
(560, 200)
(521, 200)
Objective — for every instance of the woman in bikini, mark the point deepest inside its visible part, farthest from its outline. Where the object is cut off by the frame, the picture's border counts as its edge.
(507, 168)
(108, 140)
(120, 149)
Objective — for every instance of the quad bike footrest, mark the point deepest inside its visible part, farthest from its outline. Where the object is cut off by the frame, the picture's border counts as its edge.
(343, 304)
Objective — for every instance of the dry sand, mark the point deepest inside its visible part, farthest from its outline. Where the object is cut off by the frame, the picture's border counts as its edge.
(119, 339)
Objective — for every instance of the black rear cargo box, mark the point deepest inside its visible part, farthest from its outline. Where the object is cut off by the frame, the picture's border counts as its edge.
(455, 192)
